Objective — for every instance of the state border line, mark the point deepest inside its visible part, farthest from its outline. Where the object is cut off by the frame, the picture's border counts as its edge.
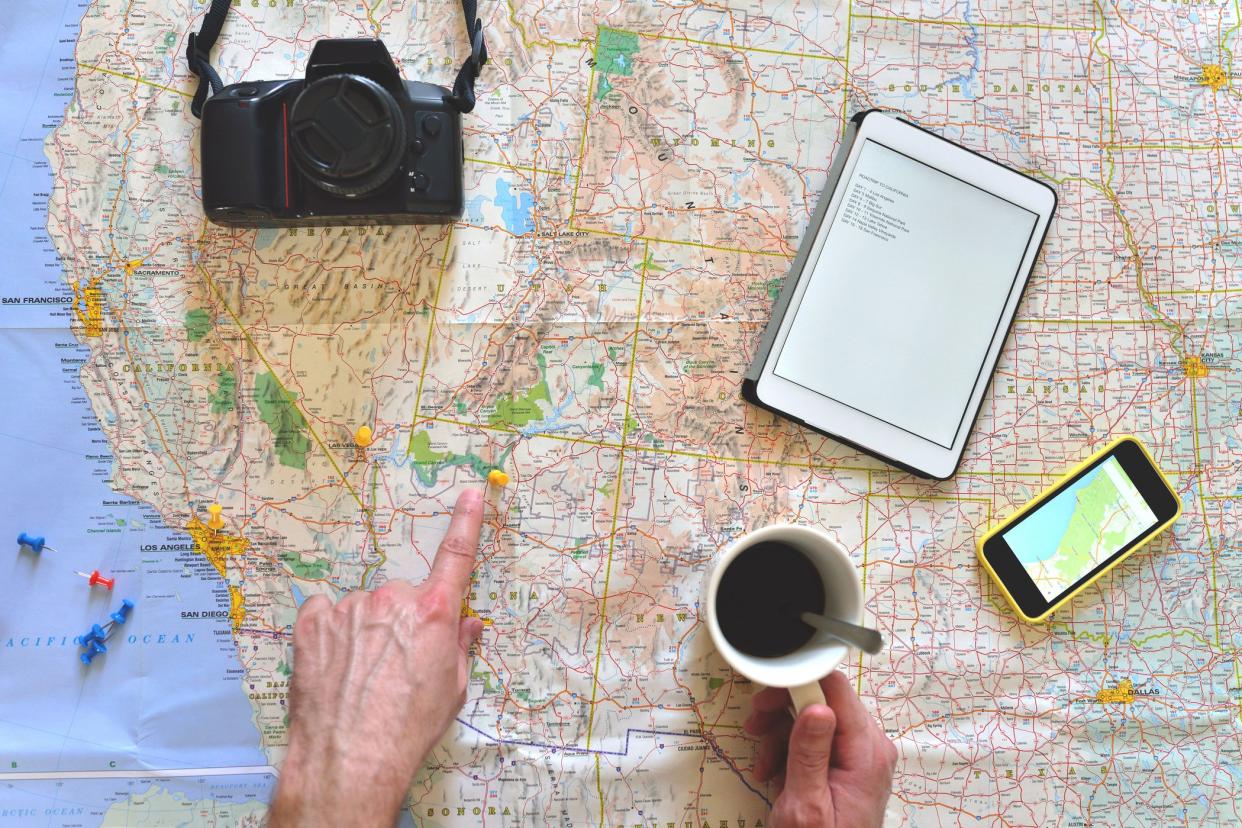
(616, 510)
(289, 398)
(928, 21)
(810, 465)
(573, 750)
(732, 47)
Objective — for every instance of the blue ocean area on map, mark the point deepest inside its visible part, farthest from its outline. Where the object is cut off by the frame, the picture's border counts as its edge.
(1038, 536)
(169, 692)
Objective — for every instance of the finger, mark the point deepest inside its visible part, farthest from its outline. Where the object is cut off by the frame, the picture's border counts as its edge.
(314, 604)
(810, 751)
(460, 548)
(760, 722)
(311, 607)
(770, 699)
(770, 757)
(854, 744)
(468, 633)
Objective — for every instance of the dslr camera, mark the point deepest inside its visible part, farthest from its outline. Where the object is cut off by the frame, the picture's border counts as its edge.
(352, 143)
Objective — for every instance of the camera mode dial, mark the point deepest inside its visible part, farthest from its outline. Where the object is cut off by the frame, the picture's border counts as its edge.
(347, 134)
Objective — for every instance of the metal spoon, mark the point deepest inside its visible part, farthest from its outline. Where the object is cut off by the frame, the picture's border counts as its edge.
(864, 638)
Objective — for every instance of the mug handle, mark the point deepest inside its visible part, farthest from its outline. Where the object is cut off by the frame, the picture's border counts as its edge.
(806, 694)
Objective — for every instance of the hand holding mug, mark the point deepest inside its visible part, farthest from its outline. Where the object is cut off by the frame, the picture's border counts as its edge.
(833, 766)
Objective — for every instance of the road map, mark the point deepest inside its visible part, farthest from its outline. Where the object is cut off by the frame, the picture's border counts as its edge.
(638, 176)
(1074, 532)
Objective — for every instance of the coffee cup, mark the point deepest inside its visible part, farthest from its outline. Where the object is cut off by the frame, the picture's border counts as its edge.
(800, 670)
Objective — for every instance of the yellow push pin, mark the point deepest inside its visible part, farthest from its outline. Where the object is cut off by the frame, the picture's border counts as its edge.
(497, 478)
(363, 436)
(215, 522)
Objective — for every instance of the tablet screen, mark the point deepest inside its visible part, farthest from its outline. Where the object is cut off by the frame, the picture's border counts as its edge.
(907, 294)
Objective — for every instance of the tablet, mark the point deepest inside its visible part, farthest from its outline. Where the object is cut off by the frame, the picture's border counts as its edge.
(892, 318)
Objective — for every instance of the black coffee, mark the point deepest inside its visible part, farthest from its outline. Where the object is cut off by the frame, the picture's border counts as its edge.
(762, 596)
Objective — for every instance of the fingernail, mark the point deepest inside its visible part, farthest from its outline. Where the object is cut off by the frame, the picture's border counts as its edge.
(818, 724)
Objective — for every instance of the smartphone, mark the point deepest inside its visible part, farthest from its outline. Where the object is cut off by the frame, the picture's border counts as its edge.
(1107, 507)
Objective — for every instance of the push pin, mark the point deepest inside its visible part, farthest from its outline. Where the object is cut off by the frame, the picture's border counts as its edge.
(497, 478)
(122, 614)
(95, 633)
(94, 649)
(215, 522)
(34, 543)
(363, 436)
(98, 580)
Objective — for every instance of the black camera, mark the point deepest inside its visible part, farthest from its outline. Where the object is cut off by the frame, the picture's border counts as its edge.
(353, 143)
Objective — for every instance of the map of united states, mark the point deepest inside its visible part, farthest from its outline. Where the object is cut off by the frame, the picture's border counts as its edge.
(638, 177)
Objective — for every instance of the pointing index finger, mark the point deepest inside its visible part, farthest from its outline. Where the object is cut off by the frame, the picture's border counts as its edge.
(460, 548)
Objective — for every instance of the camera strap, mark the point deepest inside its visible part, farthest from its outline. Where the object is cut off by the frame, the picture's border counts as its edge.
(198, 56)
(462, 98)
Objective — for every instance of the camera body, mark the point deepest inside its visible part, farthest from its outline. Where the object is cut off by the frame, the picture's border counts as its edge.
(352, 143)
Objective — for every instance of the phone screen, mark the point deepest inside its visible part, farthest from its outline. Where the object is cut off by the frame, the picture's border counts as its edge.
(907, 294)
(1076, 530)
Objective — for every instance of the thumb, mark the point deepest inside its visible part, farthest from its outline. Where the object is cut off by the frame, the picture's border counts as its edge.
(810, 749)
(468, 633)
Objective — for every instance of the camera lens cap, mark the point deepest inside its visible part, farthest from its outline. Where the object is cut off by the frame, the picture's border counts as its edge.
(348, 134)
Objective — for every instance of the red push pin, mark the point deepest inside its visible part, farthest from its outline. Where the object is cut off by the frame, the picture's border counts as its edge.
(96, 579)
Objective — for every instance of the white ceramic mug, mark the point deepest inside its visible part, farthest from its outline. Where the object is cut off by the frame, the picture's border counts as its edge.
(801, 670)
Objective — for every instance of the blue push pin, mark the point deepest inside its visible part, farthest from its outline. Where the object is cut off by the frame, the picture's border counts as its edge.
(35, 543)
(97, 633)
(121, 614)
(95, 649)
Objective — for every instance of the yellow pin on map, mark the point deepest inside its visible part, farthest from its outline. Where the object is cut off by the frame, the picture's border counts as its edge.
(215, 521)
(363, 436)
(497, 478)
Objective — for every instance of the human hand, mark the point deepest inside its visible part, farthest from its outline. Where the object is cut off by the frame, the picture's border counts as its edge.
(377, 680)
(833, 766)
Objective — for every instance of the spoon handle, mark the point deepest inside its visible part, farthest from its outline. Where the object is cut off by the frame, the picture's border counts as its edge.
(864, 638)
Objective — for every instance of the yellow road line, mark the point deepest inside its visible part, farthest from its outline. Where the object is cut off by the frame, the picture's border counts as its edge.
(612, 536)
(502, 165)
(431, 326)
(680, 242)
(733, 47)
(211, 283)
(845, 82)
(866, 544)
(616, 499)
(927, 21)
(135, 79)
(586, 122)
(809, 465)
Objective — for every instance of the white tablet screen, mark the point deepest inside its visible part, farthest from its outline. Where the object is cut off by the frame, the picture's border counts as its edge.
(907, 294)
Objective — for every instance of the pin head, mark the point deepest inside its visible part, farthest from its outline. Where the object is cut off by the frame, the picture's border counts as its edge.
(33, 542)
(122, 614)
(497, 478)
(215, 521)
(363, 436)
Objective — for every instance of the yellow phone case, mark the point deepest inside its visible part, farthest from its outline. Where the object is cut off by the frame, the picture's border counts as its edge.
(1051, 490)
